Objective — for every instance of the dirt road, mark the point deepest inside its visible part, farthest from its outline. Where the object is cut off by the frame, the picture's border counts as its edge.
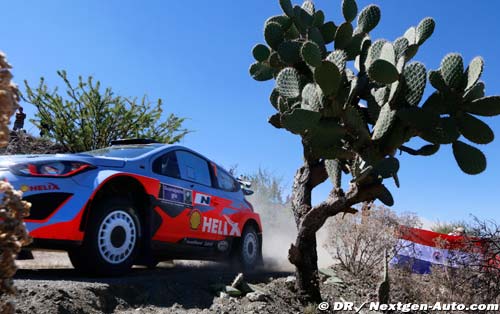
(50, 285)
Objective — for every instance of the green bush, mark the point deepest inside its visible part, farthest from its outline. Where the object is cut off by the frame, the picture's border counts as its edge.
(86, 118)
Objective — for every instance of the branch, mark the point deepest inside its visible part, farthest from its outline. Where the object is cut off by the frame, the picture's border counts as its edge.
(337, 203)
(409, 150)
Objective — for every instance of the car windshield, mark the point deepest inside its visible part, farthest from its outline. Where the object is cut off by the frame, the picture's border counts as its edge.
(122, 151)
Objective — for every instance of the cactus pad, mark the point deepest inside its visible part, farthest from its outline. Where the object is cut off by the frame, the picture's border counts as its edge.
(470, 159)
(424, 30)
(354, 120)
(437, 81)
(383, 72)
(369, 18)
(273, 98)
(415, 78)
(299, 120)
(452, 70)
(343, 35)
(275, 120)
(273, 33)
(328, 31)
(286, 6)
(435, 103)
(334, 172)
(339, 58)
(261, 71)
(387, 167)
(308, 6)
(312, 98)
(327, 75)
(289, 83)
(428, 150)
(475, 130)
(486, 106)
(311, 53)
(474, 71)
(289, 52)
(349, 10)
(411, 35)
(446, 132)
(284, 21)
(387, 53)
(400, 46)
(374, 51)
(319, 18)
(384, 122)
(386, 197)
(475, 92)
(261, 52)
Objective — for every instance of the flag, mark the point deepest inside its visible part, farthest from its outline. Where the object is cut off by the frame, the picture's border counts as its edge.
(420, 249)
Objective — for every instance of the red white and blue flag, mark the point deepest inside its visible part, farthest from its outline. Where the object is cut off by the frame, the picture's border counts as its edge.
(421, 249)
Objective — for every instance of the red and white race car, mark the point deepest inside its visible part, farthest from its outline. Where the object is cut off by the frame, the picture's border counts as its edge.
(135, 202)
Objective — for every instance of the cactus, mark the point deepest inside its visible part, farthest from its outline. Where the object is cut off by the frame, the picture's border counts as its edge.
(356, 121)
(327, 75)
(311, 53)
(424, 30)
(261, 52)
(349, 10)
(368, 18)
(452, 69)
(343, 35)
(470, 159)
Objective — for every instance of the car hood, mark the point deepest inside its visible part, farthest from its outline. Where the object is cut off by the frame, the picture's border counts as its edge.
(6, 161)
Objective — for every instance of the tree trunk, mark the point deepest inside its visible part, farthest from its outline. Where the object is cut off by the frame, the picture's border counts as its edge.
(310, 219)
(303, 253)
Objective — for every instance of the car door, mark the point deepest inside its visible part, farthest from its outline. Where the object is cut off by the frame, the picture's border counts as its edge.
(185, 200)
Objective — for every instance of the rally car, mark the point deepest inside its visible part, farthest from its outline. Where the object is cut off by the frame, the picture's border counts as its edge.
(135, 202)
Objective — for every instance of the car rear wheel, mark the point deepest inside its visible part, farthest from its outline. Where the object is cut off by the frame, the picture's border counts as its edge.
(249, 250)
(111, 239)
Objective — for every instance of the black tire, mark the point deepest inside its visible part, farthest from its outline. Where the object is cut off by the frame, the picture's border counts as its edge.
(111, 240)
(249, 249)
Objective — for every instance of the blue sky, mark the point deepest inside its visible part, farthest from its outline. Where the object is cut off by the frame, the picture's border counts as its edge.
(195, 56)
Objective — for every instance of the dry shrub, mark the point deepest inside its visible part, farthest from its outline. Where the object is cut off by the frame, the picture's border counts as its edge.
(13, 234)
(24, 143)
(358, 241)
(475, 279)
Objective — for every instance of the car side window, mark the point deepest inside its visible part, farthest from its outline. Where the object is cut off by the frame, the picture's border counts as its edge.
(226, 181)
(167, 165)
(193, 168)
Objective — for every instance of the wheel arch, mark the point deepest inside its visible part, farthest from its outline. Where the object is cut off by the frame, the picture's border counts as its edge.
(124, 185)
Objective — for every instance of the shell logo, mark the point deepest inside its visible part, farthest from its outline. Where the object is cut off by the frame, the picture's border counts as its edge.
(25, 188)
(195, 219)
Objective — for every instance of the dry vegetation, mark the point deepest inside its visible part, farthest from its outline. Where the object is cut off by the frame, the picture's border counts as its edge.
(13, 234)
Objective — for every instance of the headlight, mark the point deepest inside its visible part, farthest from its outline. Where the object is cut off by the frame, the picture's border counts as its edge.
(50, 168)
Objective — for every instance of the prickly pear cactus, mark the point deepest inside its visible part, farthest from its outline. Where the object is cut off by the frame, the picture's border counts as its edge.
(357, 120)
(13, 209)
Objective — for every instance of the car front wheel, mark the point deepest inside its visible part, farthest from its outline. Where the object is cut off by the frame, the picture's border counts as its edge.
(111, 239)
(249, 250)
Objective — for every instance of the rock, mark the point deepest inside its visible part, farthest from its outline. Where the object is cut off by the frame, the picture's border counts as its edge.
(328, 272)
(223, 295)
(290, 282)
(256, 296)
(334, 280)
(233, 292)
(238, 280)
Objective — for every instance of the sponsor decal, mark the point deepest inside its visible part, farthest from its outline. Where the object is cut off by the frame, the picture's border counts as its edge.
(175, 194)
(222, 245)
(195, 219)
(42, 187)
(197, 242)
(221, 227)
(202, 199)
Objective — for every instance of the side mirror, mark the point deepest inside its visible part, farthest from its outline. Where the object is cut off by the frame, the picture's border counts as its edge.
(247, 192)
